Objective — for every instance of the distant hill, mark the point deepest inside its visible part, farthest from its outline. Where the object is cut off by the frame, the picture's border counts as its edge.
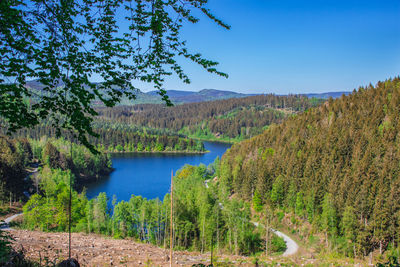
(141, 97)
(173, 93)
(176, 96)
(327, 95)
(179, 97)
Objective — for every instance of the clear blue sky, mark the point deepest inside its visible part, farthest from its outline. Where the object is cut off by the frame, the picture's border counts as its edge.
(279, 46)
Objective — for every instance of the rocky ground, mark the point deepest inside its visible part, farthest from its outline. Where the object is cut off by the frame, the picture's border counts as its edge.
(96, 250)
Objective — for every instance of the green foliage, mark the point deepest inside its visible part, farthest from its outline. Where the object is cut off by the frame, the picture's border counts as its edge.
(5, 246)
(268, 153)
(278, 244)
(347, 171)
(257, 202)
(229, 120)
(88, 43)
(84, 165)
(14, 155)
(328, 216)
(349, 223)
(50, 212)
(277, 192)
(280, 215)
(300, 204)
(116, 137)
(199, 221)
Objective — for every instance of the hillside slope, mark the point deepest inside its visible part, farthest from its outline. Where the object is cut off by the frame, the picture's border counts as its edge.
(336, 165)
(231, 118)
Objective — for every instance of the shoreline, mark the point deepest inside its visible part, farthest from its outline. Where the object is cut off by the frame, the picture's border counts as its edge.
(214, 140)
(161, 152)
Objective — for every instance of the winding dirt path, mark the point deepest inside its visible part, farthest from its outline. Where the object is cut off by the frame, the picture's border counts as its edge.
(291, 245)
(5, 225)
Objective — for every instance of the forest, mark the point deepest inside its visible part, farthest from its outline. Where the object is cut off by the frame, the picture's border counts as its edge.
(231, 119)
(18, 155)
(115, 137)
(335, 166)
(156, 128)
(199, 223)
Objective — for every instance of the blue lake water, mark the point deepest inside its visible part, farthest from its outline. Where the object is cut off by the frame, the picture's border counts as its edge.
(148, 174)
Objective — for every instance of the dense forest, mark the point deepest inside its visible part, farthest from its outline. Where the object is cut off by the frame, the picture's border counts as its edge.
(156, 128)
(19, 155)
(235, 118)
(199, 222)
(116, 137)
(14, 156)
(336, 166)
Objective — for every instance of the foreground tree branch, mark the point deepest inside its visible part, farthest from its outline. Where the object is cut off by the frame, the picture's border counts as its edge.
(65, 44)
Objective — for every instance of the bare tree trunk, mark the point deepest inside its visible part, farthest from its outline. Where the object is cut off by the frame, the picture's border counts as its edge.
(217, 232)
(230, 240)
(165, 230)
(171, 227)
(326, 239)
(266, 237)
(236, 242)
(202, 240)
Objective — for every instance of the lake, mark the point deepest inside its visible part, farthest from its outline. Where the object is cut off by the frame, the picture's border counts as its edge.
(148, 174)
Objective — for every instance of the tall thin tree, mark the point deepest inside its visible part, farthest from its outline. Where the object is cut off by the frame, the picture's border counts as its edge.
(70, 207)
(171, 236)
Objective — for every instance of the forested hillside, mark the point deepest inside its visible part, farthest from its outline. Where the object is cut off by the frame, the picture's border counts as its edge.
(117, 137)
(336, 165)
(235, 118)
(16, 156)
(156, 128)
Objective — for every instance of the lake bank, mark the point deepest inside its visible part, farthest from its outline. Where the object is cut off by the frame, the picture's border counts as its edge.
(162, 152)
(148, 174)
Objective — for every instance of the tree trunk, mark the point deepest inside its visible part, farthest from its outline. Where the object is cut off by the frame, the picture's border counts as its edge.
(202, 240)
(230, 240)
(236, 243)
(266, 238)
(326, 239)
(217, 233)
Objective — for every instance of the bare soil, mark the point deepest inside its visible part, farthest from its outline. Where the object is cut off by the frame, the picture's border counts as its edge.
(96, 250)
